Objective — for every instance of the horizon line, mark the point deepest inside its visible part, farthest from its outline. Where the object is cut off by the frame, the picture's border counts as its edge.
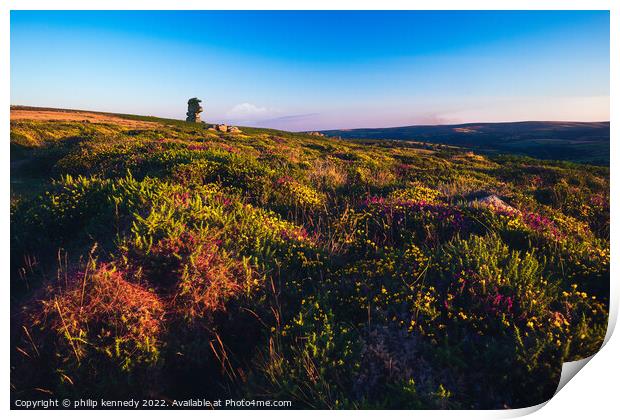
(330, 129)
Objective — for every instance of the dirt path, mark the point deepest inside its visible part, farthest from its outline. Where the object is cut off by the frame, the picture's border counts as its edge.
(92, 117)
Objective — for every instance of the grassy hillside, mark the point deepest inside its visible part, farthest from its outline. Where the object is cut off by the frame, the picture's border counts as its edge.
(177, 262)
(576, 141)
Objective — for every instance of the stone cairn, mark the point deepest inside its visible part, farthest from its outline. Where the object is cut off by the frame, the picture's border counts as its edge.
(193, 110)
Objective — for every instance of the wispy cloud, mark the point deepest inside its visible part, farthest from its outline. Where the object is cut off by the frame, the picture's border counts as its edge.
(289, 118)
(260, 116)
(248, 111)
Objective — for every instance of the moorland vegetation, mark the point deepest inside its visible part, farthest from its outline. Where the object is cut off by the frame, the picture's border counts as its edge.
(178, 262)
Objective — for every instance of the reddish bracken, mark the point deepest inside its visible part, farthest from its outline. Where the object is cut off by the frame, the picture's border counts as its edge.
(201, 279)
(99, 310)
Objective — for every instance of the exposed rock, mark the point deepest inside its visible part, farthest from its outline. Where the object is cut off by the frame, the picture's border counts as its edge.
(223, 128)
(193, 110)
(316, 133)
(493, 201)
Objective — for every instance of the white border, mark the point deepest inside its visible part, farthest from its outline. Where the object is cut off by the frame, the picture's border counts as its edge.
(592, 395)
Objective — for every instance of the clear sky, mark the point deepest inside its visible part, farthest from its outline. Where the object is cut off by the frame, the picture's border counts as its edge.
(317, 70)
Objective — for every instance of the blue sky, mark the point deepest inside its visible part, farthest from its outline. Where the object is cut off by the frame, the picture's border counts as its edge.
(317, 70)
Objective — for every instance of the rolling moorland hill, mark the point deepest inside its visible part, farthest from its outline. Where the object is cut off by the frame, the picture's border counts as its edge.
(168, 261)
(586, 142)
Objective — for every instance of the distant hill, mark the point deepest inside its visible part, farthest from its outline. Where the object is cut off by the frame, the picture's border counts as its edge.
(586, 142)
